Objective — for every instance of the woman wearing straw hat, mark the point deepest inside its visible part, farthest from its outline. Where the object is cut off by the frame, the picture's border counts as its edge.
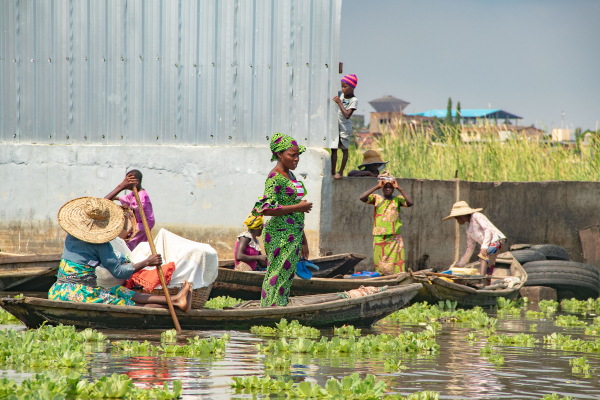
(480, 230)
(91, 223)
(372, 164)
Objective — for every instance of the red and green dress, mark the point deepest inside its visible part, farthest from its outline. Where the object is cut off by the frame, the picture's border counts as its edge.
(282, 237)
(388, 247)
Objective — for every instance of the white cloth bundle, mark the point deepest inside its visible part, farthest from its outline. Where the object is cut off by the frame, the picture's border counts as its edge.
(196, 262)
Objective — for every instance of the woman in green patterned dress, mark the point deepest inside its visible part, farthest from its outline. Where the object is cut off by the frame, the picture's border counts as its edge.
(284, 237)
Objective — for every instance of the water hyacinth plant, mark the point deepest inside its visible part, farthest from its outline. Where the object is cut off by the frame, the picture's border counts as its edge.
(220, 302)
(346, 331)
(580, 366)
(285, 329)
(564, 342)
(7, 318)
(568, 320)
(548, 306)
(196, 347)
(116, 386)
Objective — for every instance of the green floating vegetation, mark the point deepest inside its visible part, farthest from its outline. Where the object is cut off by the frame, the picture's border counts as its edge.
(219, 303)
(7, 318)
(447, 305)
(496, 359)
(472, 337)
(285, 329)
(426, 313)
(393, 365)
(405, 342)
(548, 306)
(580, 366)
(278, 365)
(594, 328)
(580, 305)
(488, 350)
(568, 320)
(169, 336)
(347, 331)
(554, 396)
(350, 387)
(522, 339)
(48, 347)
(533, 327)
(530, 314)
(195, 347)
(117, 386)
(425, 395)
(504, 303)
(564, 342)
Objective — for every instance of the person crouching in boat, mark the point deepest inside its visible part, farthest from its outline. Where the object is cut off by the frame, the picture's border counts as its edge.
(247, 247)
(480, 230)
(91, 223)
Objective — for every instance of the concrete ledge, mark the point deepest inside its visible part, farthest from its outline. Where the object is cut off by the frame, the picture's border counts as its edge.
(535, 294)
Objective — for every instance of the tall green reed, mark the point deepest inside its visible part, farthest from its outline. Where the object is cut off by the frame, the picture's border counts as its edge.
(415, 153)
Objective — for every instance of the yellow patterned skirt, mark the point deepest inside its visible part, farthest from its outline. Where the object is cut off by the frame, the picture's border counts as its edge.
(117, 295)
(388, 253)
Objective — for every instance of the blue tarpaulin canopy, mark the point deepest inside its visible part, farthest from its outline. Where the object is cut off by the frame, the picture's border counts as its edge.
(471, 114)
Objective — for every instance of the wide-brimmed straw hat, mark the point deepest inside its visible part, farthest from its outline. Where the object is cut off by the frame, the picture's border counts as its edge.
(371, 157)
(91, 219)
(461, 208)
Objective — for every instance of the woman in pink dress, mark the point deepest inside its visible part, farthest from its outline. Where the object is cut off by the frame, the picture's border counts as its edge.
(247, 248)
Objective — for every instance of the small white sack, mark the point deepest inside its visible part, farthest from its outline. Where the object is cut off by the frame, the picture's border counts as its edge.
(196, 262)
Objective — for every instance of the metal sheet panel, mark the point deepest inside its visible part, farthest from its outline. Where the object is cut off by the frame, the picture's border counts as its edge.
(198, 72)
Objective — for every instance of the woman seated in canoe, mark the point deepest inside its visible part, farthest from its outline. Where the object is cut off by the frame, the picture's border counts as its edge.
(480, 230)
(247, 247)
(91, 223)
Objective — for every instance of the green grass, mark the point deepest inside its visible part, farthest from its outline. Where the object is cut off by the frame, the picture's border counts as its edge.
(413, 154)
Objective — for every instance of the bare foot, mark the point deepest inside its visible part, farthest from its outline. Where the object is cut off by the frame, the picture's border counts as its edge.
(337, 176)
(184, 298)
(181, 292)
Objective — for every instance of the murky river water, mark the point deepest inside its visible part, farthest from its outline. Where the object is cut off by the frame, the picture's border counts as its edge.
(457, 372)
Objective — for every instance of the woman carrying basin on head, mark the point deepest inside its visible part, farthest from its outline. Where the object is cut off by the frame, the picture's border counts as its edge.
(284, 237)
(91, 223)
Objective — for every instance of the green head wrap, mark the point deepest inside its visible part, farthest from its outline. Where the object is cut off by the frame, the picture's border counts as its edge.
(281, 142)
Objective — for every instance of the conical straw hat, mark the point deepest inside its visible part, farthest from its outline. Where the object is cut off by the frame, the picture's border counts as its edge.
(461, 208)
(92, 219)
(372, 157)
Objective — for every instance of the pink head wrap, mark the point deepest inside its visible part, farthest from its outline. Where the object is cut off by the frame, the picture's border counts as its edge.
(350, 80)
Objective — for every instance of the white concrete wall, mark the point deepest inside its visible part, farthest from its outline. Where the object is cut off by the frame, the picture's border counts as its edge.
(203, 193)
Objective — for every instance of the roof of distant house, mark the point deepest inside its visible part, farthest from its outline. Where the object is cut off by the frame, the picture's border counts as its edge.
(471, 113)
(388, 104)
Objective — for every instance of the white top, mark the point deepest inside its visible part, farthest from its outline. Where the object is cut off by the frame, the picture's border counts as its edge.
(344, 123)
(481, 231)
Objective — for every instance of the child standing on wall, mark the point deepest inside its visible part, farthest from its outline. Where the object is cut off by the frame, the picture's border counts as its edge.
(388, 247)
(134, 178)
(347, 103)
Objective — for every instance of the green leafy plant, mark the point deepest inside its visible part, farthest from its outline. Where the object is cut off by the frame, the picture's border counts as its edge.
(533, 327)
(496, 359)
(580, 366)
(285, 329)
(220, 302)
(530, 314)
(7, 318)
(392, 364)
(548, 306)
(169, 336)
(472, 337)
(522, 339)
(568, 320)
(346, 331)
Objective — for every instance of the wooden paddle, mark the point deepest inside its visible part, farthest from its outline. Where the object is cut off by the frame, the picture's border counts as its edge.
(163, 282)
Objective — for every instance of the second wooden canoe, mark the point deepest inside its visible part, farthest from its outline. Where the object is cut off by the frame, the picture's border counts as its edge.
(248, 285)
(437, 289)
(28, 273)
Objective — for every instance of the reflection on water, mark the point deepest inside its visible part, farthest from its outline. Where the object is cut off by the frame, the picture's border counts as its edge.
(457, 372)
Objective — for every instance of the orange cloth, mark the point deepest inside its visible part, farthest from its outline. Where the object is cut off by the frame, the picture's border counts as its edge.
(148, 279)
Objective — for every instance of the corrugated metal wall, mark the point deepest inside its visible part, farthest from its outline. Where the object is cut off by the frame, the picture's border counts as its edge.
(206, 72)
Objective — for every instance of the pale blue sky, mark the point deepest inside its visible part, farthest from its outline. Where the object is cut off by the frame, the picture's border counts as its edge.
(534, 58)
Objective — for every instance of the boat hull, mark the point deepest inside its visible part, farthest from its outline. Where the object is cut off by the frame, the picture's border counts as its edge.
(360, 312)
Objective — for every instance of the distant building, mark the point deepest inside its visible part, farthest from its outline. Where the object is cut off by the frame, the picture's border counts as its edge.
(389, 121)
(563, 135)
(388, 104)
(503, 131)
(474, 116)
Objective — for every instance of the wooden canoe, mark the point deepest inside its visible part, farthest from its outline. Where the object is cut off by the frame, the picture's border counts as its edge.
(437, 289)
(28, 273)
(248, 285)
(329, 266)
(319, 311)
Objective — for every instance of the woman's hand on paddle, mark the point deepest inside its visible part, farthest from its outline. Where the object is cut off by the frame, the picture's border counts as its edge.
(154, 260)
(305, 206)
